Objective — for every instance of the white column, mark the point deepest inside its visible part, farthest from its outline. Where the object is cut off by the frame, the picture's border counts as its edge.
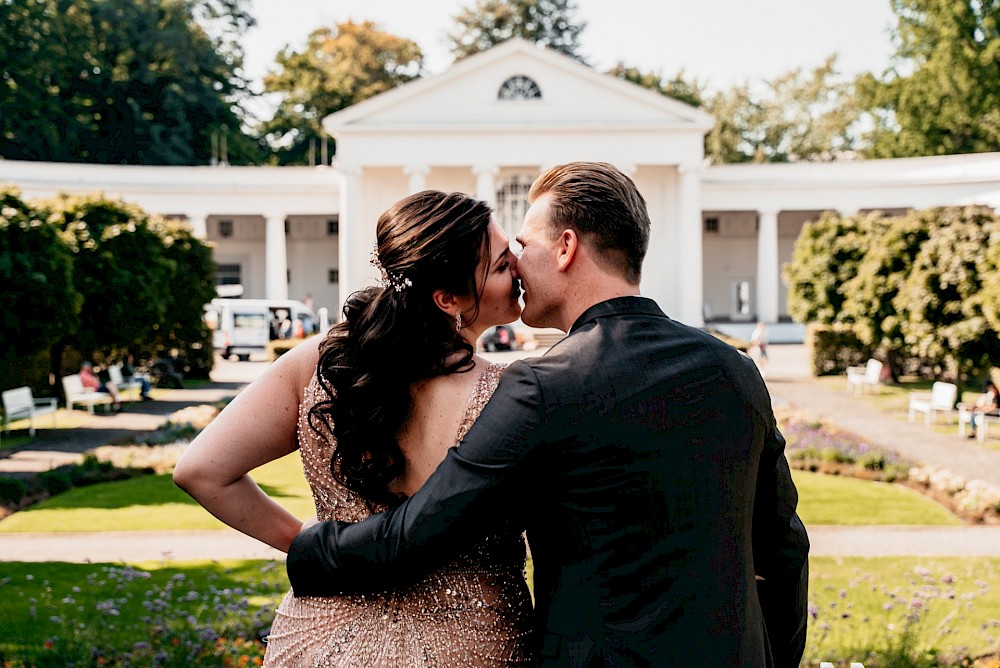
(767, 266)
(198, 222)
(690, 276)
(275, 257)
(352, 255)
(486, 182)
(418, 177)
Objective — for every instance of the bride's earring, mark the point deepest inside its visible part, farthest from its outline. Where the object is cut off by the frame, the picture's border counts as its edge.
(458, 321)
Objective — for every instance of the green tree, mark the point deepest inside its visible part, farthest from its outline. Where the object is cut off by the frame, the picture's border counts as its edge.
(679, 88)
(489, 22)
(942, 93)
(826, 255)
(337, 68)
(38, 302)
(801, 116)
(191, 286)
(991, 286)
(122, 81)
(870, 304)
(120, 268)
(941, 301)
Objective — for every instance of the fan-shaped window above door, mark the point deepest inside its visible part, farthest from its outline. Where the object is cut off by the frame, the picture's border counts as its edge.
(519, 87)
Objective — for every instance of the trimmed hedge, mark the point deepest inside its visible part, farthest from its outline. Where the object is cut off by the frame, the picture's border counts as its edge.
(833, 348)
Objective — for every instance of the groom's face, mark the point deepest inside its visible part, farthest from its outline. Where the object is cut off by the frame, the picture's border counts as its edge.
(537, 267)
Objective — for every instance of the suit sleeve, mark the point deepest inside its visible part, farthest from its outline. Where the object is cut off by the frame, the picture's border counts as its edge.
(473, 491)
(781, 554)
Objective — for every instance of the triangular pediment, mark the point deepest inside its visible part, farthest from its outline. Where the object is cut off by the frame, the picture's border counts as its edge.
(468, 96)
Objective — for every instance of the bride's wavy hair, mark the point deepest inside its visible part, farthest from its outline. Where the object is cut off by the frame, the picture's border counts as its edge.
(390, 339)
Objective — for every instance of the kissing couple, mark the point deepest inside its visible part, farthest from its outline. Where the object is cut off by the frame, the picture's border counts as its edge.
(639, 456)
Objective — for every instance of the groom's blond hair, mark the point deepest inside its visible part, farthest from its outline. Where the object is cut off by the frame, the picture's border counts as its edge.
(604, 207)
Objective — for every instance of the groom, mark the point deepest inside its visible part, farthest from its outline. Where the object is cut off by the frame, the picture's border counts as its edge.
(640, 455)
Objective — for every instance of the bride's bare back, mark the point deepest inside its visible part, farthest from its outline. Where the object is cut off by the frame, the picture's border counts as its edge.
(475, 611)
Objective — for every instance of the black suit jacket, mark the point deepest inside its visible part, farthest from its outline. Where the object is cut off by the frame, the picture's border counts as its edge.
(641, 456)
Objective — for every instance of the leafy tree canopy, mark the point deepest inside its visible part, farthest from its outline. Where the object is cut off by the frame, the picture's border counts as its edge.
(679, 88)
(827, 254)
(941, 301)
(942, 93)
(122, 81)
(487, 23)
(339, 67)
(39, 302)
(800, 116)
(120, 268)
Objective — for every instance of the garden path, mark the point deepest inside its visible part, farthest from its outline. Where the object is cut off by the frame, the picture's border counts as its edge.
(789, 382)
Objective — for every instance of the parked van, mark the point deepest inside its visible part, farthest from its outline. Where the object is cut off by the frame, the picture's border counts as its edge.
(242, 327)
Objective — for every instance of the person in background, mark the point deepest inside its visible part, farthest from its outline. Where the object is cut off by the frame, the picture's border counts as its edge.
(128, 371)
(94, 384)
(758, 346)
(987, 404)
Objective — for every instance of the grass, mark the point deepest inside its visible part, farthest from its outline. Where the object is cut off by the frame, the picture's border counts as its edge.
(56, 614)
(859, 605)
(858, 608)
(152, 503)
(826, 499)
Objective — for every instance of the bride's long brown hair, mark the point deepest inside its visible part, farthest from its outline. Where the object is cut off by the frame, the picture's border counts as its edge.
(390, 339)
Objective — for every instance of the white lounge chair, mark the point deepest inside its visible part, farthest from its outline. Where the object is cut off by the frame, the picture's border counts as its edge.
(940, 400)
(869, 375)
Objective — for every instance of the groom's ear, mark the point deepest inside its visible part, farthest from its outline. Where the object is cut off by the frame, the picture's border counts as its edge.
(446, 301)
(566, 248)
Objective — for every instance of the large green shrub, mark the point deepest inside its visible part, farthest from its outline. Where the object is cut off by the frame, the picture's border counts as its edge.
(39, 302)
(833, 348)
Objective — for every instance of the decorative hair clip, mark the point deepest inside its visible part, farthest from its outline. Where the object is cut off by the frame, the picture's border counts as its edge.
(397, 282)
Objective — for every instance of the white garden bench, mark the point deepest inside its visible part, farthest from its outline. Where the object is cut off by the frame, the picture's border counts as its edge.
(76, 393)
(19, 404)
(940, 400)
(965, 412)
(119, 381)
(860, 377)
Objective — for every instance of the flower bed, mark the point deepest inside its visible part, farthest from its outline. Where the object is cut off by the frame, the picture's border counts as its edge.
(819, 446)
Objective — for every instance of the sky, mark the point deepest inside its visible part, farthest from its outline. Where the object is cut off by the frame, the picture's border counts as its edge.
(717, 42)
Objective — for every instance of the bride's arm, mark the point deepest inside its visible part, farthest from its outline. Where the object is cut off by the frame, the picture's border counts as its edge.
(259, 426)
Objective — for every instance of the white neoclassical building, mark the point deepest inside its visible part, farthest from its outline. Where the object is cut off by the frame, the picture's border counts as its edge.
(489, 126)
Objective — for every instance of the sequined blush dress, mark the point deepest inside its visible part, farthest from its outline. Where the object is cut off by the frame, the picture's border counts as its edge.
(476, 611)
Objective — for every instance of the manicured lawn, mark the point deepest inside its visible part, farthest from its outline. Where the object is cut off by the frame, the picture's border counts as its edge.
(826, 499)
(55, 613)
(152, 503)
(192, 614)
(860, 605)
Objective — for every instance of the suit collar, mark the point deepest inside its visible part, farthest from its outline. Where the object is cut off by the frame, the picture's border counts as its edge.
(618, 306)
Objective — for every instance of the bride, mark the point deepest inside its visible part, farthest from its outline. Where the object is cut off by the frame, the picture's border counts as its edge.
(373, 407)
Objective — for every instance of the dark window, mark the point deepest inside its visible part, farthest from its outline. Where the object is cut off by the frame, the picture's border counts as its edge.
(332, 227)
(711, 224)
(227, 274)
(225, 228)
(333, 276)
(519, 88)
